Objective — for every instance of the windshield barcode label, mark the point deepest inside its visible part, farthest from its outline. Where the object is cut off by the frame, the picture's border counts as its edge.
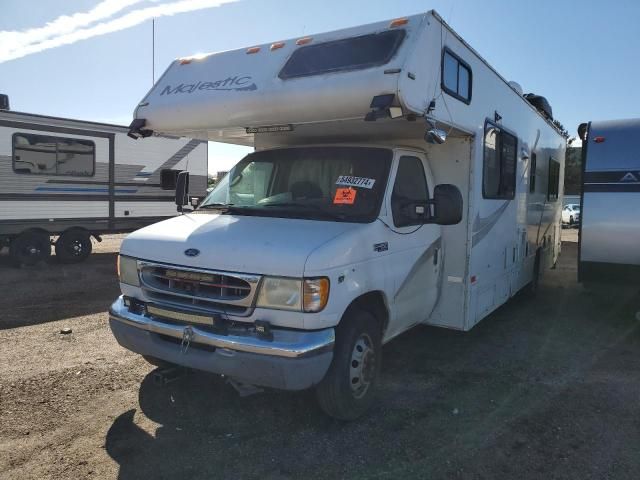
(355, 181)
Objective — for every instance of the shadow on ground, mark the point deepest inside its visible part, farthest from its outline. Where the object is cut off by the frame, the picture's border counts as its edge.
(543, 388)
(52, 291)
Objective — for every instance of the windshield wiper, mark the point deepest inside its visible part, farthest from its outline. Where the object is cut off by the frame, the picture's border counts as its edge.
(216, 205)
(308, 206)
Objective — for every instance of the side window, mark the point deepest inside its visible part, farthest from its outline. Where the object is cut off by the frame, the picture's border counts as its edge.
(456, 76)
(46, 155)
(500, 161)
(410, 188)
(532, 172)
(554, 180)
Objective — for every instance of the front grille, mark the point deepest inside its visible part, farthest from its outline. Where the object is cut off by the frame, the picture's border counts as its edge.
(202, 290)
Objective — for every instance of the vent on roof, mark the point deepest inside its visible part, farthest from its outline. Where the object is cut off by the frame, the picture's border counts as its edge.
(4, 102)
(517, 87)
(541, 104)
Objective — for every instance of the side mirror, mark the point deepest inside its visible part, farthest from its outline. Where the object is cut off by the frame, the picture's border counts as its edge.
(436, 136)
(182, 190)
(447, 201)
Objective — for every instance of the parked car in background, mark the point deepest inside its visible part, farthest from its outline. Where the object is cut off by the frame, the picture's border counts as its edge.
(571, 214)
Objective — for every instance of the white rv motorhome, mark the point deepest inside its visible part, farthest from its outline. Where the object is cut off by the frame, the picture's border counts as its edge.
(73, 179)
(609, 242)
(397, 180)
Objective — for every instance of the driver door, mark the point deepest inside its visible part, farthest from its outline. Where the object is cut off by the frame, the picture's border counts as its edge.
(416, 248)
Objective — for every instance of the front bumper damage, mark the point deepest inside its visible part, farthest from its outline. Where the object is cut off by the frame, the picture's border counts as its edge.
(288, 360)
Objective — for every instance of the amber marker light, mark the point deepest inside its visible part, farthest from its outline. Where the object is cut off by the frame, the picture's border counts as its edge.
(398, 22)
(304, 40)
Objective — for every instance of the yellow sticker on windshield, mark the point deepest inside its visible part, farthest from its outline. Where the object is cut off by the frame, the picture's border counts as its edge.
(345, 196)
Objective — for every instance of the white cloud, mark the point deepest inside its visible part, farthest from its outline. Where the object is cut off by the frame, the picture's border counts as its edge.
(66, 30)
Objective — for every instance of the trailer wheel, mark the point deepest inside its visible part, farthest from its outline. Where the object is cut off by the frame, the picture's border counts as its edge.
(347, 390)
(73, 246)
(30, 247)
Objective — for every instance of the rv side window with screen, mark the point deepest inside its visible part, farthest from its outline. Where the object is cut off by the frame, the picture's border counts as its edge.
(456, 76)
(554, 180)
(532, 173)
(499, 170)
(46, 155)
(410, 189)
(354, 53)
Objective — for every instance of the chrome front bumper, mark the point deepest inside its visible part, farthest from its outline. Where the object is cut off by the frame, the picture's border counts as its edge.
(290, 360)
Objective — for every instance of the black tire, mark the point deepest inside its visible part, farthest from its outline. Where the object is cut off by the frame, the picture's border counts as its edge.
(73, 246)
(29, 248)
(347, 390)
(571, 221)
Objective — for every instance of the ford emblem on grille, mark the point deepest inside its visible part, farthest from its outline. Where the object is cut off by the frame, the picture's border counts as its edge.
(192, 252)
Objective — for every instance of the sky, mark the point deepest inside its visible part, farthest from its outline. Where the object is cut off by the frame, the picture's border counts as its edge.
(92, 59)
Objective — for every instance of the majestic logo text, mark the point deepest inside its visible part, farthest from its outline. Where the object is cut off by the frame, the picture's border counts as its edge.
(238, 83)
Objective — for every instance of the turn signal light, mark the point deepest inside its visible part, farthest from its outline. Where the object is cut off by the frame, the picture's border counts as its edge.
(315, 293)
(398, 22)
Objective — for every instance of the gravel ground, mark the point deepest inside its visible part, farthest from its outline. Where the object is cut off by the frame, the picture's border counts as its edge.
(543, 388)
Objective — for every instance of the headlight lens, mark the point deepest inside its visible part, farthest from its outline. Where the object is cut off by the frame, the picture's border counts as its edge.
(315, 294)
(308, 295)
(128, 270)
(281, 293)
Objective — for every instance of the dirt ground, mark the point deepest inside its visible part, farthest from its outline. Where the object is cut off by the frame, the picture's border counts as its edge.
(543, 388)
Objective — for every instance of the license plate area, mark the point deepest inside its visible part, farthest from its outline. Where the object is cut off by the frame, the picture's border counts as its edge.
(185, 317)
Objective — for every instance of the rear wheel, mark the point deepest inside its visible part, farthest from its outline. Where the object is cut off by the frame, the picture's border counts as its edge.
(73, 246)
(347, 390)
(571, 220)
(30, 248)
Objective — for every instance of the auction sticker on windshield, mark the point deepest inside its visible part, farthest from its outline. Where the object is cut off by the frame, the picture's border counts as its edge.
(345, 196)
(350, 181)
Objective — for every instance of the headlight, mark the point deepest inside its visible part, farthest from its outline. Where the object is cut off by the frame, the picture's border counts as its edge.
(128, 270)
(308, 295)
(280, 293)
(315, 294)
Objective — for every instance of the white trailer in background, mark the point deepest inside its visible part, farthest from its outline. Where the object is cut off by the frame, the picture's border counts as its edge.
(609, 242)
(73, 179)
(398, 179)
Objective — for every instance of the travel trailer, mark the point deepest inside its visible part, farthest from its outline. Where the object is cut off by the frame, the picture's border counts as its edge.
(397, 180)
(70, 180)
(609, 242)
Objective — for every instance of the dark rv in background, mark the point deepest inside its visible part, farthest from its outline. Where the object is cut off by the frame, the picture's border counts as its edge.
(609, 249)
(63, 181)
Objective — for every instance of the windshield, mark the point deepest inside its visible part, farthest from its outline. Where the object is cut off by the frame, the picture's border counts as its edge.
(316, 183)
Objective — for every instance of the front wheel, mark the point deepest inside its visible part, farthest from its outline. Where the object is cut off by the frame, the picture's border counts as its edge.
(347, 390)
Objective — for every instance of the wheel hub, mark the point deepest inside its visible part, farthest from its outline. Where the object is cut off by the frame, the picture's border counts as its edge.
(362, 366)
